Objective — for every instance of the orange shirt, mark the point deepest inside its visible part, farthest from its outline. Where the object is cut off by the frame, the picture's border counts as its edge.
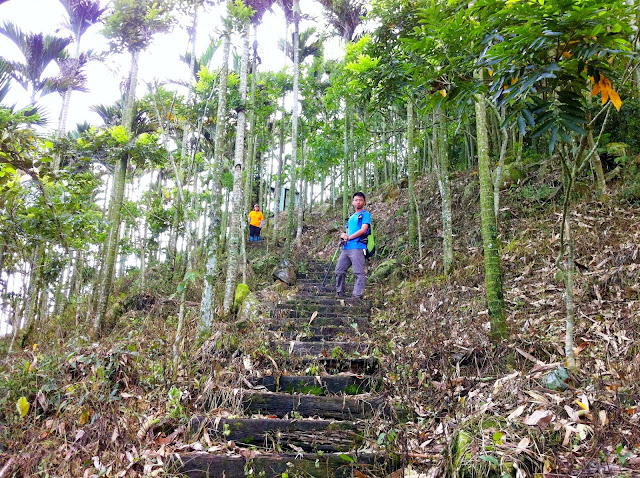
(255, 218)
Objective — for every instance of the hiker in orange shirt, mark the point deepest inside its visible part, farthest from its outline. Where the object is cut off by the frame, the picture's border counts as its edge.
(256, 219)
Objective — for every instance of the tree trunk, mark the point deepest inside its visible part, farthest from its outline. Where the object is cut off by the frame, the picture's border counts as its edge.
(596, 163)
(441, 166)
(294, 129)
(498, 173)
(117, 198)
(302, 202)
(569, 300)
(345, 162)
(493, 273)
(411, 175)
(278, 188)
(237, 214)
(207, 307)
(35, 279)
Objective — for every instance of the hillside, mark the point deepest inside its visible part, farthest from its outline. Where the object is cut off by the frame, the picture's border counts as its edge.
(119, 407)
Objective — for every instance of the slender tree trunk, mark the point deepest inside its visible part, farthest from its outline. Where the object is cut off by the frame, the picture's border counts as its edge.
(237, 213)
(441, 166)
(111, 250)
(301, 203)
(498, 173)
(207, 308)
(569, 300)
(66, 100)
(294, 128)
(411, 175)
(117, 199)
(596, 163)
(345, 162)
(493, 273)
(278, 189)
(33, 291)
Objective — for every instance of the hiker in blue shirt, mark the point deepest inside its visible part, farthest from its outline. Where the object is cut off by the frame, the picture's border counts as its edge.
(354, 249)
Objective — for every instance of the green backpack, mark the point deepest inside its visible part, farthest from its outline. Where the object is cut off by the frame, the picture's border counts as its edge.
(370, 251)
(369, 241)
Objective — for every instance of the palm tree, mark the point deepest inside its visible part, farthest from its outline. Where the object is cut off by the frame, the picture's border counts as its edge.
(213, 237)
(82, 15)
(39, 51)
(302, 45)
(132, 26)
(254, 11)
(344, 16)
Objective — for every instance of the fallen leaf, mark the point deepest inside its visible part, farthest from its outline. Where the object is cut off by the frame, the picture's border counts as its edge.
(572, 413)
(42, 400)
(516, 413)
(523, 445)
(541, 418)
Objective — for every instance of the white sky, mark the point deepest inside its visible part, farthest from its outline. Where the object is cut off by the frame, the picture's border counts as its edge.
(160, 61)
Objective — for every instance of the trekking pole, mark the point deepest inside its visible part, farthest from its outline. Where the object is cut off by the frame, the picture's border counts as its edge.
(324, 281)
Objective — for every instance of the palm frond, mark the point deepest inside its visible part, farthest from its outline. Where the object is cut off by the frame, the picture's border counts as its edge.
(82, 14)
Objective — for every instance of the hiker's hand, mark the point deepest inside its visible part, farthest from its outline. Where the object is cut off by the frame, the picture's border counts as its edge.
(344, 236)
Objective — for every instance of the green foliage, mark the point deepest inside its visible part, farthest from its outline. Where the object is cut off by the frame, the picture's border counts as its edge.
(540, 56)
(132, 23)
(174, 406)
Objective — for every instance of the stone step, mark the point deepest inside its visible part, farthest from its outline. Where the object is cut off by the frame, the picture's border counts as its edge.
(317, 334)
(335, 349)
(294, 313)
(333, 365)
(316, 465)
(349, 384)
(313, 299)
(304, 322)
(327, 407)
(343, 306)
(278, 434)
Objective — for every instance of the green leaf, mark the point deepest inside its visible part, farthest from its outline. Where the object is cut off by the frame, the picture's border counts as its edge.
(554, 138)
(346, 458)
(490, 459)
(23, 406)
(522, 126)
(529, 116)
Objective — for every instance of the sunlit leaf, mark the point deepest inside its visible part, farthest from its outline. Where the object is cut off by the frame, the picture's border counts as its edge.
(346, 458)
(615, 99)
(23, 406)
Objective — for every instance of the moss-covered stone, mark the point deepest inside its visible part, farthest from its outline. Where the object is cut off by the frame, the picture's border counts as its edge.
(384, 270)
(242, 291)
(250, 308)
(617, 149)
(511, 174)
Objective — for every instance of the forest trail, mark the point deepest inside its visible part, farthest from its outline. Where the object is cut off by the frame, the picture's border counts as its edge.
(315, 415)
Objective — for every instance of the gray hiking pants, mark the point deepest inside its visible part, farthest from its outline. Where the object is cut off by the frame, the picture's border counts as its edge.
(348, 258)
